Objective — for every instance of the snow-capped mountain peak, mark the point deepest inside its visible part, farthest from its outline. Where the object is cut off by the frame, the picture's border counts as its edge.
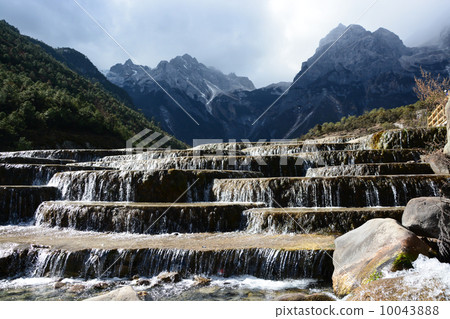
(185, 73)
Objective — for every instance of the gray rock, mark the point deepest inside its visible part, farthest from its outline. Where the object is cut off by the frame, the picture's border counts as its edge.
(77, 288)
(408, 138)
(422, 215)
(444, 236)
(304, 297)
(201, 281)
(363, 253)
(101, 286)
(59, 285)
(393, 289)
(169, 277)
(439, 162)
(447, 113)
(122, 294)
(425, 282)
(143, 282)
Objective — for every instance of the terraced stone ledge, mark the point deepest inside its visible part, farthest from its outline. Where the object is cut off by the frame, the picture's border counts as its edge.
(33, 160)
(148, 218)
(347, 157)
(142, 186)
(18, 203)
(79, 155)
(274, 165)
(290, 148)
(155, 154)
(315, 220)
(342, 191)
(371, 169)
(41, 251)
(35, 174)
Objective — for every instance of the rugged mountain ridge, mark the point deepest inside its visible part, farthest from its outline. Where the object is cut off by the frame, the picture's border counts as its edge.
(183, 72)
(223, 105)
(362, 71)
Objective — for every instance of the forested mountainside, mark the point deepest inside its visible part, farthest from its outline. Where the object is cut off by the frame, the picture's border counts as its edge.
(44, 104)
(408, 116)
(78, 62)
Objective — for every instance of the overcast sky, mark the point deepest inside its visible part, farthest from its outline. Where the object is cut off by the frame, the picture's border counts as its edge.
(264, 40)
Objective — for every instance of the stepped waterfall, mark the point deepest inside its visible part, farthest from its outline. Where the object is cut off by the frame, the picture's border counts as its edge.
(238, 214)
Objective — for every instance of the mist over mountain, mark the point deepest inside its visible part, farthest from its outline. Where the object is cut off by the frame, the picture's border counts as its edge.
(361, 71)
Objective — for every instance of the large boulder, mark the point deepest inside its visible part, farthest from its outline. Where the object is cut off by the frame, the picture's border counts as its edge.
(365, 252)
(444, 236)
(422, 215)
(447, 114)
(438, 161)
(126, 293)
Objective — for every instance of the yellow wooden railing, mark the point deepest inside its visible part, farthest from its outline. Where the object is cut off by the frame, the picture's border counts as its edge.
(437, 118)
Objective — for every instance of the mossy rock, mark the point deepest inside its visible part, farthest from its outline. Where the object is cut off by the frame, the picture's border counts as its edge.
(376, 246)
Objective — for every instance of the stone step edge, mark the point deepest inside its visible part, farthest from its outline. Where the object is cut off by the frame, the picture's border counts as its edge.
(310, 210)
(340, 177)
(13, 237)
(155, 204)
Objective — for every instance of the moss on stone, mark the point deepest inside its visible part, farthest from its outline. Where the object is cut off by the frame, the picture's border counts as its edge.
(373, 276)
(375, 141)
(403, 261)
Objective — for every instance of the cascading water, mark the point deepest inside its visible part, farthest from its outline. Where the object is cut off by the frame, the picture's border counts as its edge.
(79, 155)
(314, 220)
(18, 203)
(140, 186)
(329, 191)
(262, 263)
(370, 169)
(226, 220)
(34, 174)
(73, 253)
(143, 218)
(273, 165)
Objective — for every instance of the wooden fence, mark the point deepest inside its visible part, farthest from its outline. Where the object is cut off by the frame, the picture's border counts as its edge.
(437, 118)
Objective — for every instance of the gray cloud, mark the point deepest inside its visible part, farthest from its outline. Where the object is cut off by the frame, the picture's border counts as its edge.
(265, 40)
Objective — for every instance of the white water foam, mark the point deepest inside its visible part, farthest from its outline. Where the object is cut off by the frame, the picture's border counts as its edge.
(25, 282)
(250, 282)
(429, 277)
